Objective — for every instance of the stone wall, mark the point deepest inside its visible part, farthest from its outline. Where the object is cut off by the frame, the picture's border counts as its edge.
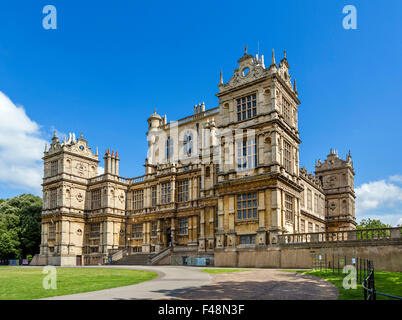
(386, 255)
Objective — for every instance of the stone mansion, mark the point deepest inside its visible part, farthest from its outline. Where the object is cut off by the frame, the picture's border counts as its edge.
(223, 178)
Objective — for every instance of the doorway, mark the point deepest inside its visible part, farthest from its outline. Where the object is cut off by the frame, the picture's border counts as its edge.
(79, 260)
(168, 237)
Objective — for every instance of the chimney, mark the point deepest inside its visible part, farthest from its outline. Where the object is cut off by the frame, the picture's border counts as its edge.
(113, 162)
(117, 164)
(106, 158)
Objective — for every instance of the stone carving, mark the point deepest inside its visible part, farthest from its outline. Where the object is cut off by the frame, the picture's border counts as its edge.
(80, 197)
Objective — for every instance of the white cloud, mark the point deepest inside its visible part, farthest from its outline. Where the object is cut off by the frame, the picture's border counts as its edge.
(21, 148)
(380, 200)
(396, 178)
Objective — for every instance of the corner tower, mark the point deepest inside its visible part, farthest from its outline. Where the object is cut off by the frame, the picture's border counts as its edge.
(68, 166)
(337, 178)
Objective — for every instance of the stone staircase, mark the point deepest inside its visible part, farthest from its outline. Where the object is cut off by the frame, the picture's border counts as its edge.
(122, 258)
(135, 259)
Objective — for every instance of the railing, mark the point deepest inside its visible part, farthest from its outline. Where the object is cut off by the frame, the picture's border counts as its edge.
(120, 254)
(340, 236)
(198, 115)
(117, 178)
(160, 255)
(370, 293)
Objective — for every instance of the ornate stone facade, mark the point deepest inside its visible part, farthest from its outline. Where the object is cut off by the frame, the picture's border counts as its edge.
(227, 177)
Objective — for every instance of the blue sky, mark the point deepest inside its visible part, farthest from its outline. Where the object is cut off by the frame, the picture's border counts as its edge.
(109, 64)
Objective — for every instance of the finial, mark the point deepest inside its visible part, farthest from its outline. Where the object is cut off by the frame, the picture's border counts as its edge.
(294, 85)
(273, 57)
(117, 154)
(45, 147)
(221, 78)
(245, 49)
(154, 110)
(82, 135)
(96, 153)
(284, 54)
(54, 134)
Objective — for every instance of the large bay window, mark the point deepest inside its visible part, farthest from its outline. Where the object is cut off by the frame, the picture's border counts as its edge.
(165, 196)
(182, 191)
(53, 198)
(289, 215)
(169, 148)
(188, 144)
(287, 156)
(136, 231)
(246, 107)
(246, 154)
(96, 199)
(138, 199)
(247, 206)
(183, 226)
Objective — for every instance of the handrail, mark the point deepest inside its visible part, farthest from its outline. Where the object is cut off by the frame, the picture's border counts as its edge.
(161, 254)
(369, 286)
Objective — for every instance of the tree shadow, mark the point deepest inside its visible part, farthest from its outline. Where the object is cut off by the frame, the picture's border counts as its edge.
(255, 290)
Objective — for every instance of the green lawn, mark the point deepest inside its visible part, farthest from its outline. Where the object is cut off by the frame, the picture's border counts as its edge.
(25, 283)
(385, 281)
(216, 271)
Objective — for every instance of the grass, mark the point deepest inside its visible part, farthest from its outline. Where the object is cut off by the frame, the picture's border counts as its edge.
(25, 283)
(217, 271)
(385, 281)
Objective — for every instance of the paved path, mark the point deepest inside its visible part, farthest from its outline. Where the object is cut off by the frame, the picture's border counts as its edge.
(263, 284)
(176, 282)
(170, 278)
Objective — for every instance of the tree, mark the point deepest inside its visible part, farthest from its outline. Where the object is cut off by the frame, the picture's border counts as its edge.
(371, 224)
(20, 226)
(366, 224)
(9, 241)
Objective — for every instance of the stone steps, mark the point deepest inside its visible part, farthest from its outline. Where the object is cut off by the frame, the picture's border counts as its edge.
(135, 259)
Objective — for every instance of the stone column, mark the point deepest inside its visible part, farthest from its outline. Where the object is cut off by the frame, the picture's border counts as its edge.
(173, 190)
(195, 229)
(64, 237)
(190, 229)
(145, 237)
(276, 158)
(201, 242)
(275, 215)
(173, 226)
(190, 190)
(260, 149)
(261, 238)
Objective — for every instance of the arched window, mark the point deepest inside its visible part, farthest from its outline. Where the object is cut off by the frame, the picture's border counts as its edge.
(188, 144)
(169, 148)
